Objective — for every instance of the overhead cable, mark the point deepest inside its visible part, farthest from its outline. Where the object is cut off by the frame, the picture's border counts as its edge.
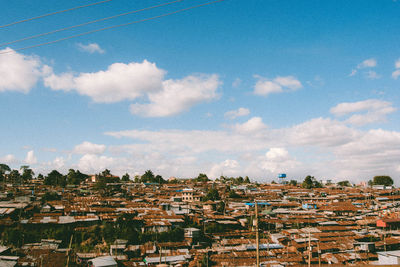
(110, 27)
(87, 23)
(54, 13)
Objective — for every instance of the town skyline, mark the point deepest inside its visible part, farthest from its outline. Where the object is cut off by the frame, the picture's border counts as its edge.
(235, 88)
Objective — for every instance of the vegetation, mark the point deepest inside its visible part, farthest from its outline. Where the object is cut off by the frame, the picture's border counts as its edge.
(55, 178)
(310, 182)
(212, 194)
(148, 177)
(125, 178)
(381, 180)
(76, 177)
(293, 182)
(201, 178)
(237, 181)
(344, 183)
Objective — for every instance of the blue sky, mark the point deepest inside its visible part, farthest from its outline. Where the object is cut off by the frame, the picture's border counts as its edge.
(234, 88)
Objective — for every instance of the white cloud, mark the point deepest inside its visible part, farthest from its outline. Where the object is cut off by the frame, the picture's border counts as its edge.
(397, 64)
(324, 147)
(228, 168)
(119, 82)
(178, 96)
(30, 158)
(233, 114)
(277, 159)
(328, 148)
(65, 81)
(91, 48)
(323, 132)
(93, 163)
(18, 72)
(353, 72)
(253, 125)
(8, 159)
(368, 63)
(58, 163)
(374, 110)
(372, 75)
(89, 148)
(395, 74)
(280, 84)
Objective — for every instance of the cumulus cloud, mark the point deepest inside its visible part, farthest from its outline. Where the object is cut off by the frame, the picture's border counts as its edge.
(277, 159)
(91, 48)
(253, 125)
(323, 132)
(228, 167)
(58, 162)
(30, 158)
(119, 82)
(372, 110)
(18, 72)
(93, 163)
(280, 84)
(178, 96)
(395, 74)
(368, 63)
(233, 114)
(89, 148)
(8, 159)
(134, 81)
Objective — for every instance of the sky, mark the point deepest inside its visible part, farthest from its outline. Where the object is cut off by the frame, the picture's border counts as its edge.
(234, 88)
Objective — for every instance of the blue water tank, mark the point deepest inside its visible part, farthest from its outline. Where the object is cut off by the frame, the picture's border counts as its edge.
(282, 175)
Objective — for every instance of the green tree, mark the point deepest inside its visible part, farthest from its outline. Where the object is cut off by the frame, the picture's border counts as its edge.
(202, 177)
(344, 183)
(310, 182)
(76, 177)
(247, 180)
(382, 180)
(27, 173)
(212, 194)
(125, 177)
(3, 169)
(106, 172)
(147, 177)
(55, 178)
(293, 182)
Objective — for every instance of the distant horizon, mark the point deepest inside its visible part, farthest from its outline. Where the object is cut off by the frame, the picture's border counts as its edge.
(231, 88)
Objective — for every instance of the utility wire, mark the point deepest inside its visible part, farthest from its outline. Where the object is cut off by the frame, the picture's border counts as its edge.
(110, 27)
(54, 13)
(89, 22)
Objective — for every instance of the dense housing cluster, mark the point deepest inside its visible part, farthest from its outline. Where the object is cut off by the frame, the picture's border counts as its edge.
(101, 220)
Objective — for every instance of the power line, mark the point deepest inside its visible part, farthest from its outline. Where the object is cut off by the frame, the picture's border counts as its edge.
(54, 13)
(110, 27)
(89, 22)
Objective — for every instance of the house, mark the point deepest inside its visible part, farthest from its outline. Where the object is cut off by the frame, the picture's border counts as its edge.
(389, 223)
(105, 261)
